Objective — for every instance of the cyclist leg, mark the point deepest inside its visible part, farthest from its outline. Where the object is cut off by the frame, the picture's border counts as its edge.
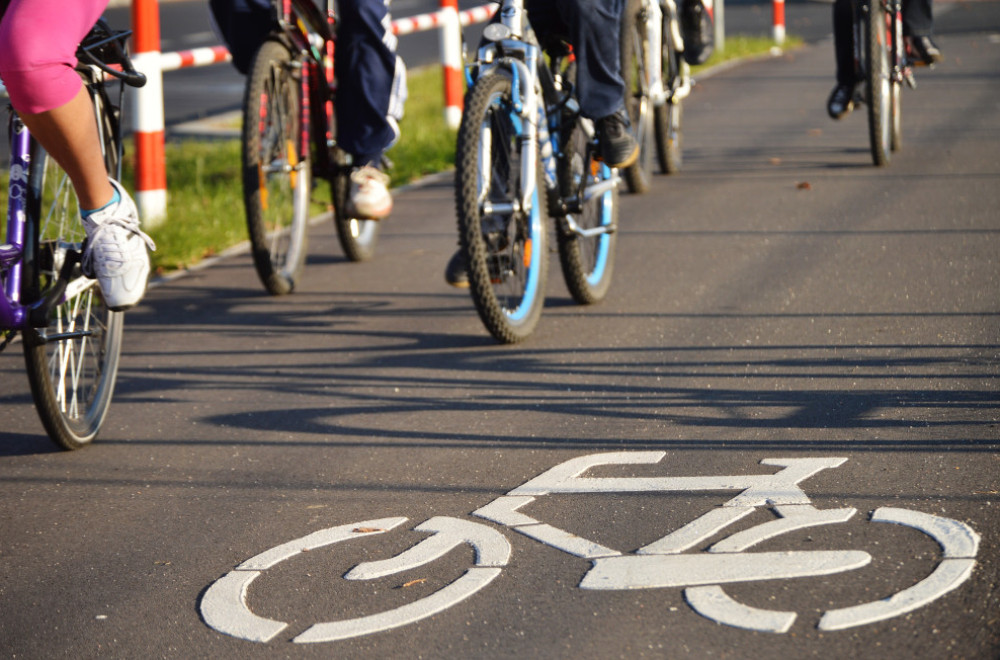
(372, 80)
(918, 25)
(600, 87)
(38, 41)
(841, 99)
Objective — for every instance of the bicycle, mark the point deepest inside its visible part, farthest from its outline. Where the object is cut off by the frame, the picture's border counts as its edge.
(525, 154)
(657, 80)
(665, 563)
(71, 339)
(289, 138)
(883, 65)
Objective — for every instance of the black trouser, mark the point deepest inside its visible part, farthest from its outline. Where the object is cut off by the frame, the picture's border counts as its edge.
(918, 21)
(365, 65)
(592, 27)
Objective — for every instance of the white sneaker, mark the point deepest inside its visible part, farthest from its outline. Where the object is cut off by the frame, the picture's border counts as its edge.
(116, 252)
(369, 198)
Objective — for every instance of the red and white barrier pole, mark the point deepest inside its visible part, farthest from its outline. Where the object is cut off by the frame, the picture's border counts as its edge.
(150, 166)
(451, 62)
(779, 21)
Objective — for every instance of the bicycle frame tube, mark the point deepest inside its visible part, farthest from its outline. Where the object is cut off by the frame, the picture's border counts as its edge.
(654, 57)
(312, 33)
(13, 315)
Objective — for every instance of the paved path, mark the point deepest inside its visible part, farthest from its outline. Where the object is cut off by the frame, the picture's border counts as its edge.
(779, 299)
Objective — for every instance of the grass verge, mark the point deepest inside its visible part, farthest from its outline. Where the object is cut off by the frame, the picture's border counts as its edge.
(205, 200)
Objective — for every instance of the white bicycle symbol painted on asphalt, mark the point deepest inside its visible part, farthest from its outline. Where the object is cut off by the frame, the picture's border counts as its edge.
(661, 564)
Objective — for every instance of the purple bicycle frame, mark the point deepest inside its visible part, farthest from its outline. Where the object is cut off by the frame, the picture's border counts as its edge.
(14, 315)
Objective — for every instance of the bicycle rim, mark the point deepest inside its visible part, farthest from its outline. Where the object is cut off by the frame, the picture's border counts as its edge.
(505, 246)
(877, 83)
(667, 117)
(587, 261)
(276, 168)
(72, 363)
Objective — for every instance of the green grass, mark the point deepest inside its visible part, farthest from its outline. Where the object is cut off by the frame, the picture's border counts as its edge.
(205, 202)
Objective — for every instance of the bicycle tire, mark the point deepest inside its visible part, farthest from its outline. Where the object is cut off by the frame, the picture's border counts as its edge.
(896, 88)
(667, 118)
(276, 168)
(72, 363)
(587, 261)
(634, 45)
(896, 133)
(357, 237)
(877, 84)
(507, 253)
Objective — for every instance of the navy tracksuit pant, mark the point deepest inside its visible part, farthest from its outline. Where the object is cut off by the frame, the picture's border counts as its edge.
(365, 62)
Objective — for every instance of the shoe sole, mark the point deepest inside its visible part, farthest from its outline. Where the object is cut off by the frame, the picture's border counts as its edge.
(847, 111)
(628, 162)
(354, 213)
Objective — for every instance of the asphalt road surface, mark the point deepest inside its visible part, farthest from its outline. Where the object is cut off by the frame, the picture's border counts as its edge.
(787, 404)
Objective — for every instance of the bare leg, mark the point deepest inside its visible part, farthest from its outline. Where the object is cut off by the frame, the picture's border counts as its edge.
(69, 134)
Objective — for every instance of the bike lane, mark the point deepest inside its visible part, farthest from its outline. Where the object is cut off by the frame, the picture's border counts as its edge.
(753, 319)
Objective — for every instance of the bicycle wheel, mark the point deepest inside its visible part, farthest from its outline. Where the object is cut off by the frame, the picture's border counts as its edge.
(877, 84)
(357, 237)
(634, 47)
(667, 117)
(72, 361)
(587, 251)
(505, 244)
(276, 168)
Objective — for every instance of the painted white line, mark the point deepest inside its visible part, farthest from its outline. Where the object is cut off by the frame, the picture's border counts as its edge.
(565, 541)
(554, 479)
(492, 548)
(224, 608)
(474, 579)
(948, 575)
(269, 558)
(659, 571)
(758, 489)
(794, 518)
(504, 511)
(696, 531)
(956, 538)
(960, 544)
(715, 604)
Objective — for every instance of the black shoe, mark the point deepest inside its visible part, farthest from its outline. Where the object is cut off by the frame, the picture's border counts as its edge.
(841, 101)
(697, 30)
(456, 273)
(924, 51)
(615, 144)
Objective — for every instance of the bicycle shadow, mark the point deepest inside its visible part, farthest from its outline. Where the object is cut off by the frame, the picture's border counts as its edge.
(342, 349)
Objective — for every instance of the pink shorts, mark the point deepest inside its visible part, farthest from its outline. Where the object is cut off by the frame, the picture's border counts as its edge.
(38, 40)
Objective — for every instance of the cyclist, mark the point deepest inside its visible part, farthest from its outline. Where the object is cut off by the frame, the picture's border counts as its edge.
(38, 42)
(591, 26)
(371, 80)
(918, 24)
